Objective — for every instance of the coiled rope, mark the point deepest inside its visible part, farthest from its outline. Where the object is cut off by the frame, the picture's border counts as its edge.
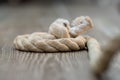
(62, 37)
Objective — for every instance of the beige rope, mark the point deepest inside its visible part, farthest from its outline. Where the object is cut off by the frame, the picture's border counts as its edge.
(95, 55)
(59, 38)
(35, 43)
(62, 37)
(80, 25)
(101, 59)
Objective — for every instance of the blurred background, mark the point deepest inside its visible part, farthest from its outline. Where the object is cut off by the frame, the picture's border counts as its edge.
(93, 2)
(27, 16)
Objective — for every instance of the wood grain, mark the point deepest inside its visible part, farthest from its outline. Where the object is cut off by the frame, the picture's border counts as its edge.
(18, 65)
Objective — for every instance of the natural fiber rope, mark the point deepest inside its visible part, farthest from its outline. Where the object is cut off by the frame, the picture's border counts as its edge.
(27, 43)
(62, 37)
(59, 38)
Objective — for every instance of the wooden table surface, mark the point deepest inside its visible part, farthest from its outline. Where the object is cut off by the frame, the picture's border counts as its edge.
(18, 65)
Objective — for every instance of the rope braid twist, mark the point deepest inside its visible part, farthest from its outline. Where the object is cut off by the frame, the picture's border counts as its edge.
(62, 37)
(28, 43)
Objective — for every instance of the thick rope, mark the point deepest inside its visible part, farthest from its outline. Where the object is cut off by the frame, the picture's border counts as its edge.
(95, 55)
(35, 43)
(80, 25)
(59, 38)
(62, 37)
(100, 59)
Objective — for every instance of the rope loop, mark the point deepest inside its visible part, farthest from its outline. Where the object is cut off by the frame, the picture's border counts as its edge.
(63, 36)
(60, 37)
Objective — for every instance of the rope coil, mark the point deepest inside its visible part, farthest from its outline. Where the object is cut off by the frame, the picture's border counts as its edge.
(27, 43)
(60, 37)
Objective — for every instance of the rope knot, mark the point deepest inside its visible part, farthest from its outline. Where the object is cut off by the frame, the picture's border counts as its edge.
(60, 37)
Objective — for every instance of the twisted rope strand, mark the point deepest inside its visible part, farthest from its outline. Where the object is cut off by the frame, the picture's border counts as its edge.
(62, 37)
(59, 37)
(48, 45)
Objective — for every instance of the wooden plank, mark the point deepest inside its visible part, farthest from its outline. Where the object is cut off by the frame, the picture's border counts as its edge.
(45, 66)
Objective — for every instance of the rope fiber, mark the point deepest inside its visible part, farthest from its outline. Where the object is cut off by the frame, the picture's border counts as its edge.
(63, 36)
(60, 37)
